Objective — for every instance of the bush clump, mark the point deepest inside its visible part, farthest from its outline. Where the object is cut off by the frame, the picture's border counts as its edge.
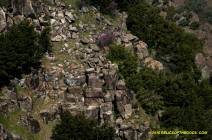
(106, 39)
(20, 49)
(81, 128)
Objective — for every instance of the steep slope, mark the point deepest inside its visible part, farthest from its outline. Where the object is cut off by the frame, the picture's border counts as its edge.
(75, 76)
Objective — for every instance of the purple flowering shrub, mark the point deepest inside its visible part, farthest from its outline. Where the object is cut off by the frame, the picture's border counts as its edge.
(106, 39)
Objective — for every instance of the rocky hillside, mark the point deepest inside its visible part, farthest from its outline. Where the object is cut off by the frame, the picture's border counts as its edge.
(191, 22)
(76, 76)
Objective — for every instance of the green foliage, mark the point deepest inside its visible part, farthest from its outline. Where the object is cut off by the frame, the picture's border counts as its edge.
(125, 4)
(102, 4)
(127, 63)
(45, 39)
(178, 92)
(105, 89)
(20, 49)
(194, 25)
(165, 37)
(105, 4)
(195, 5)
(5, 3)
(170, 13)
(80, 128)
(149, 100)
(184, 22)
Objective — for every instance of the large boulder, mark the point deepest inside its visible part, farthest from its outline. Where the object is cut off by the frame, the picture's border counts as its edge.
(23, 7)
(94, 81)
(110, 77)
(3, 23)
(154, 64)
(141, 50)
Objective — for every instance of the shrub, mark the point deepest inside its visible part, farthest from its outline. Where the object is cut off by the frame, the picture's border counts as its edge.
(102, 4)
(106, 39)
(20, 49)
(127, 63)
(80, 128)
(165, 37)
(45, 39)
(194, 25)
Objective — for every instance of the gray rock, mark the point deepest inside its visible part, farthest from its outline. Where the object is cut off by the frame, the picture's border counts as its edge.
(110, 77)
(121, 85)
(57, 38)
(94, 93)
(131, 37)
(94, 81)
(70, 82)
(35, 81)
(85, 41)
(74, 35)
(106, 107)
(75, 90)
(141, 50)
(60, 14)
(90, 70)
(108, 22)
(23, 7)
(25, 103)
(94, 47)
(128, 111)
(92, 112)
(3, 23)
(109, 96)
(73, 29)
(69, 15)
(11, 94)
(18, 19)
(85, 9)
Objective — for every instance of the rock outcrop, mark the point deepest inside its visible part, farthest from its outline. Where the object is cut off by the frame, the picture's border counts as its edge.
(84, 80)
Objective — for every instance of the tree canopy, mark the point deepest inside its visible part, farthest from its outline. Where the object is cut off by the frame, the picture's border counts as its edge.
(79, 127)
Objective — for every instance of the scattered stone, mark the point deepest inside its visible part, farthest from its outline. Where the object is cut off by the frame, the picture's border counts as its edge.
(85, 41)
(90, 70)
(85, 9)
(94, 47)
(70, 82)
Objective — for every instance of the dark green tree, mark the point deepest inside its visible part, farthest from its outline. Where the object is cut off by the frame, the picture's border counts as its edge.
(20, 50)
(80, 128)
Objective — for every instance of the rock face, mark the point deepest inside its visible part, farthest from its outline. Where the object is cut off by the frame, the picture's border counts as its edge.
(23, 7)
(84, 81)
(3, 23)
(153, 63)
